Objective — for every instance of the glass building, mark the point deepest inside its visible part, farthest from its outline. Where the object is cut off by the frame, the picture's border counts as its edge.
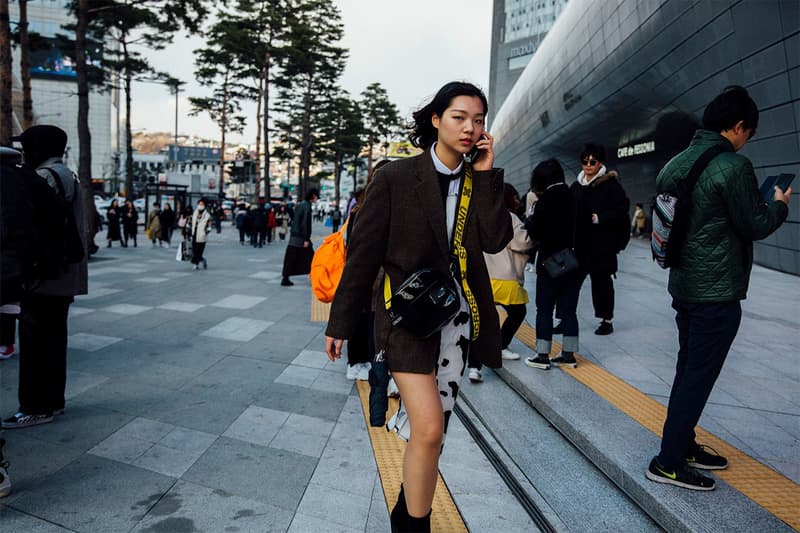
(636, 76)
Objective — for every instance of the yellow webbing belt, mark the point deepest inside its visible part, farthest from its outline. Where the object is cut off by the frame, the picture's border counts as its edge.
(461, 254)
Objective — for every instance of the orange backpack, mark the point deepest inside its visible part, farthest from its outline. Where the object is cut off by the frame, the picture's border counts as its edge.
(328, 265)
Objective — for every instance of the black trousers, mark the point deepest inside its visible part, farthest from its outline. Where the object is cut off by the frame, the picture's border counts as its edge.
(705, 334)
(43, 353)
(197, 252)
(242, 233)
(516, 314)
(129, 233)
(602, 294)
(8, 329)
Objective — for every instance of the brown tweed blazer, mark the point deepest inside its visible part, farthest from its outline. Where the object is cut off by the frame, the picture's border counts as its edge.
(401, 227)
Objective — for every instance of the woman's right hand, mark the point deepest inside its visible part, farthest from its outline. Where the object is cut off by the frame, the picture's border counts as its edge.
(333, 347)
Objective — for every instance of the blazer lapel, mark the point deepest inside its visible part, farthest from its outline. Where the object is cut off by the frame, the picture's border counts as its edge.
(430, 198)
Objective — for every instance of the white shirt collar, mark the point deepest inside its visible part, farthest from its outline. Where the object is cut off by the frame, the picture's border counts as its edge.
(441, 167)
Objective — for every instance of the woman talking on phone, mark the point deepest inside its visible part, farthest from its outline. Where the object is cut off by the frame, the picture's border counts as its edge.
(426, 221)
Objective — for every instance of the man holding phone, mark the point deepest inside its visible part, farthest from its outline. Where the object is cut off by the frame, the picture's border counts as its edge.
(712, 275)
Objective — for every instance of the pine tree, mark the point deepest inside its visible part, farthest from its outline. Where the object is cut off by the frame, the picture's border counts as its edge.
(217, 66)
(381, 119)
(342, 134)
(313, 64)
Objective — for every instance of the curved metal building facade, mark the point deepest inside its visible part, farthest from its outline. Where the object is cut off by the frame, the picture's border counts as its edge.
(635, 76)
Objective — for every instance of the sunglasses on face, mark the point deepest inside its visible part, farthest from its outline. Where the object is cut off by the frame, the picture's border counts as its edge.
(589, 161)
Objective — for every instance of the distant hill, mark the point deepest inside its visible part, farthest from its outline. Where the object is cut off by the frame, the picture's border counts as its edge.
(152, 143)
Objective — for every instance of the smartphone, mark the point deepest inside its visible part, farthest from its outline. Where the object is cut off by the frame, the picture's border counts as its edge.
(768, 187)
(475, 153)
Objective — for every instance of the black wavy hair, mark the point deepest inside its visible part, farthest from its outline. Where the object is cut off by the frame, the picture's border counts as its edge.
(596, 150)
(728, 108)
(545, 174)
(421, 132)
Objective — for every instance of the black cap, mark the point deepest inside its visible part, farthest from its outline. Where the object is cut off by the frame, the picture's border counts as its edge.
(43, 138)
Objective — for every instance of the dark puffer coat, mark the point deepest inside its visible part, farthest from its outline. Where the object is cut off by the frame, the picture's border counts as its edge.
(728, 214)
(597, 245)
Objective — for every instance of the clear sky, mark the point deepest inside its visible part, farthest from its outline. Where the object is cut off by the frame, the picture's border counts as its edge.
(411, 48)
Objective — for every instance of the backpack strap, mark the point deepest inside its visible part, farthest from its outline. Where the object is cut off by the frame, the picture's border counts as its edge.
(687, 184)
(59, 184)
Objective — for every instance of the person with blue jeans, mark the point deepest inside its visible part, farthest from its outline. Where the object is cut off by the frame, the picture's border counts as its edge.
(552, 226)
(711, 276)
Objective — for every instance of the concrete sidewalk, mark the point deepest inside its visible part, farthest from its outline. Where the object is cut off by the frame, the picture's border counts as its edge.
(202, 401)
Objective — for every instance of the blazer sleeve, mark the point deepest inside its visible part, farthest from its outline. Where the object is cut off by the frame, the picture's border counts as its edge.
(365, 254)
(494, 224)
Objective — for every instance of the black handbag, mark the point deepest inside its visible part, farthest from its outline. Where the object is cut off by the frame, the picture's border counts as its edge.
(561, 263)
(424, 303)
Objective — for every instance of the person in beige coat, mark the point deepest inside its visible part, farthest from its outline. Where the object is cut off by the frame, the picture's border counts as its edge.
(507, 272)
(405, 225)
(201, 227)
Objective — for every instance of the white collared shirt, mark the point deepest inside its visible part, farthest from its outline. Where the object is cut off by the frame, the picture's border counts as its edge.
(451, 203)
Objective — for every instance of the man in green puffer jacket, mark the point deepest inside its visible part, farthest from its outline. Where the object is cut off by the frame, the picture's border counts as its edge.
(728, 214)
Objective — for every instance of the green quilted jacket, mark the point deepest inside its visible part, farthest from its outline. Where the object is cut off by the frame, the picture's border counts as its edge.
(728, 214)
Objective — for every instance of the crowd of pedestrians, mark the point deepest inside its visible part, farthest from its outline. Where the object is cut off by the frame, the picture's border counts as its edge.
(459, 236)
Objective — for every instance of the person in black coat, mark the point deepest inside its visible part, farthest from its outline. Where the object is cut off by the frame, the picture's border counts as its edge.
(551, 226)
(602, 229)
(130, 218)
(167, 219)
(113, 216)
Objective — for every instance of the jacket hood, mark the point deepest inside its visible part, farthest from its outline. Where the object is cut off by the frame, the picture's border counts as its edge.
(600, 173)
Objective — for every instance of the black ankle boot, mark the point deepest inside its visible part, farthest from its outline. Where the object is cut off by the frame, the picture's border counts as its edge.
(402, 522)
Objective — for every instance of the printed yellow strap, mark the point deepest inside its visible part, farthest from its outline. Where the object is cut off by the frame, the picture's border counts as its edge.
(461, 254)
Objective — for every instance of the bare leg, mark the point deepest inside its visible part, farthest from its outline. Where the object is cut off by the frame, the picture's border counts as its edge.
(421, 461)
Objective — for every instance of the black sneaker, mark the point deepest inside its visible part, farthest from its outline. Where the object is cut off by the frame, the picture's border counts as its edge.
(286, 283)
(605, 328)
(700, 458)
(21, 420)
(683, 476)
(540, 361)
(565, 359)
(558, 329)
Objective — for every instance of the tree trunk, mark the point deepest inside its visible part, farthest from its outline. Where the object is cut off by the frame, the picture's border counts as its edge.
(369, 157)
(84, 135)
(266, 116)
(128, 134)
(257, 169)
(223, 127)
(25, 65)
(5, 76)
(305, 136)
(337, 178)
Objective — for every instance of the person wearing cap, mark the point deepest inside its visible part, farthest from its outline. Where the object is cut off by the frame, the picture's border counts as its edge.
(44, 311)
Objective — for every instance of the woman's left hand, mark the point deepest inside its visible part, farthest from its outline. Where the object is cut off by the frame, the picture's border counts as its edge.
(486, 159)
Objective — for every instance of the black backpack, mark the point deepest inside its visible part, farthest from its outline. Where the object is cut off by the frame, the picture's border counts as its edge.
(72, 249)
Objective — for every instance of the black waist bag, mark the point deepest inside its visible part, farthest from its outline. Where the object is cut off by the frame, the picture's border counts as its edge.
(424, 303)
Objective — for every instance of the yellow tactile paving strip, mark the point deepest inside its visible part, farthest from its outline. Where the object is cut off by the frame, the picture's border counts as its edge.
(389, 449)
(776, 493)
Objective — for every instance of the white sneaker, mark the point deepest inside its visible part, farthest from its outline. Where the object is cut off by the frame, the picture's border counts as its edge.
(363, 371)
(352, 372)
(475, 375)
(509, 355)
(393, 391)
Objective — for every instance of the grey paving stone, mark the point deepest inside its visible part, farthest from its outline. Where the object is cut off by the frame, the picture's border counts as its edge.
(239, 301)
(301, 400)
(152, 279)
(265, 474)
(237, 329)
(211, 412)
(79, 382)
(90, 342)
(265, 274)
(303, 434)
(122, 448)
(311, 359)
(75, 310)
(257, 425)
(333, 382)
(81, 428)
(336, 506)
(13, 520)
(298, 376)
(182, 307)
(32, 459)
(303, 523)
(97, 293)
(192, 507)
(96, 486)
(378, 519)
